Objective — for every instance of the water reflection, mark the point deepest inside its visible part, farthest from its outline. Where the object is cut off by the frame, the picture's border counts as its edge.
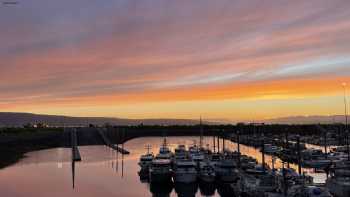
(186, 189)
(206, 189)
(225, 190)
(73, 174)
(104, 172)
(161, 189)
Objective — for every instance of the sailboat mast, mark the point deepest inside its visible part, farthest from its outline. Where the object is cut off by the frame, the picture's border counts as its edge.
(201, 133)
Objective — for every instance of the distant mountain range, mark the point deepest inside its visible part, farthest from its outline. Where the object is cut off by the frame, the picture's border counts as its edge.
(20, 119)
(307, 119)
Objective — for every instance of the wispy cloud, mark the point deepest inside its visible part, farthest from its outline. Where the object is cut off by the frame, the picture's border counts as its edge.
(61, 51)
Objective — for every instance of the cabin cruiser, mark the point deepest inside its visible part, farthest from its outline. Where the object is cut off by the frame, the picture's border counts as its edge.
(164, 152)
(289, 177)
(312, 153)
(206, 172)
(146, 160)
(226, 171)
(247, 162)
(145, 164)
(337, 156)
(214, 159)
(258, 169)
(160, 170)
(315, 158)
(196, 154)
(185, 171)
(180, 152)
(343, 149)
(257, 185)
(339, 182)
(308, 191)
(317, 163)
(271, 149)
(186, 189)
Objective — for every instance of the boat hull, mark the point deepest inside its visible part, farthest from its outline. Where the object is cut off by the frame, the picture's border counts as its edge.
(338, 188)
(227, 178)
(207, 178)
(185, 177)
(160, 177)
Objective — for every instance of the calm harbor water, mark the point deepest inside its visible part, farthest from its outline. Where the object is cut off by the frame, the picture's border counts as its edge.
(103, 172)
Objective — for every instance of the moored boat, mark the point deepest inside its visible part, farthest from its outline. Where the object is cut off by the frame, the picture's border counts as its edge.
(160, 170)
(206, 173)
(185, 171)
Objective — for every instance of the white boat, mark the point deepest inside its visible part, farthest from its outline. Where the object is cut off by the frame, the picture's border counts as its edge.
(226, 171)
(180, 152)
(291, 177)
(312, 153)
(317, 163)
(185, 171)
(214, 159)
(206, 172)
(160, 170)
(196, 154)
(164, 152)
(271, 149)
(308, 191)
(339, 182)
(337, 156)
(257, 185)
(343, 149)
(146, 159)
(315, 191)
(258, 169)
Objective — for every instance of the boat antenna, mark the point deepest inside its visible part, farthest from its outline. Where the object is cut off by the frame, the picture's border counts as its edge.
(148, 147)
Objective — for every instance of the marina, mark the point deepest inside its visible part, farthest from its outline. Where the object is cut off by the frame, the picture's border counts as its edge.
(104, 167)
(175, 98)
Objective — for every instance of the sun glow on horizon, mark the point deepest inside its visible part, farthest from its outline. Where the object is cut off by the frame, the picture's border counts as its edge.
(159, 59)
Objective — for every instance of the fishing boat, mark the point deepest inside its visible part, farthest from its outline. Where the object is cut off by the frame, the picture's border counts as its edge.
(185, 171)
(214, 159)
(180, 152)
(226, 171)
(271, 149)
(317, 163)
(206, 173)
(146, 159)
(164, 151)
(339, 182)
(196, 153)
(288, 177)
(255, 186)
(160, 170)
(308, 191)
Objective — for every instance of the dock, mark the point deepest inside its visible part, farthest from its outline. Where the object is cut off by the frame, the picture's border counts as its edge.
(75, 151)
(107, 142)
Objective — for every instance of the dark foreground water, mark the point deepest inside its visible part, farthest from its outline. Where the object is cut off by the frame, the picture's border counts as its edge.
(102, 172)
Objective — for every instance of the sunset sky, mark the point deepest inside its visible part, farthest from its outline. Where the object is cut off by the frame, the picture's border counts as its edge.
(232, 60)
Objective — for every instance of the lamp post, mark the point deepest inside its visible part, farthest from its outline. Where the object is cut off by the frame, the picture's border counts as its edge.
(346, 121)
(345, 106)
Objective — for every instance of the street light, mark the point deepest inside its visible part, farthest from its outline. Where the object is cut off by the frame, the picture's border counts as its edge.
(346, 121)
(345, 106)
